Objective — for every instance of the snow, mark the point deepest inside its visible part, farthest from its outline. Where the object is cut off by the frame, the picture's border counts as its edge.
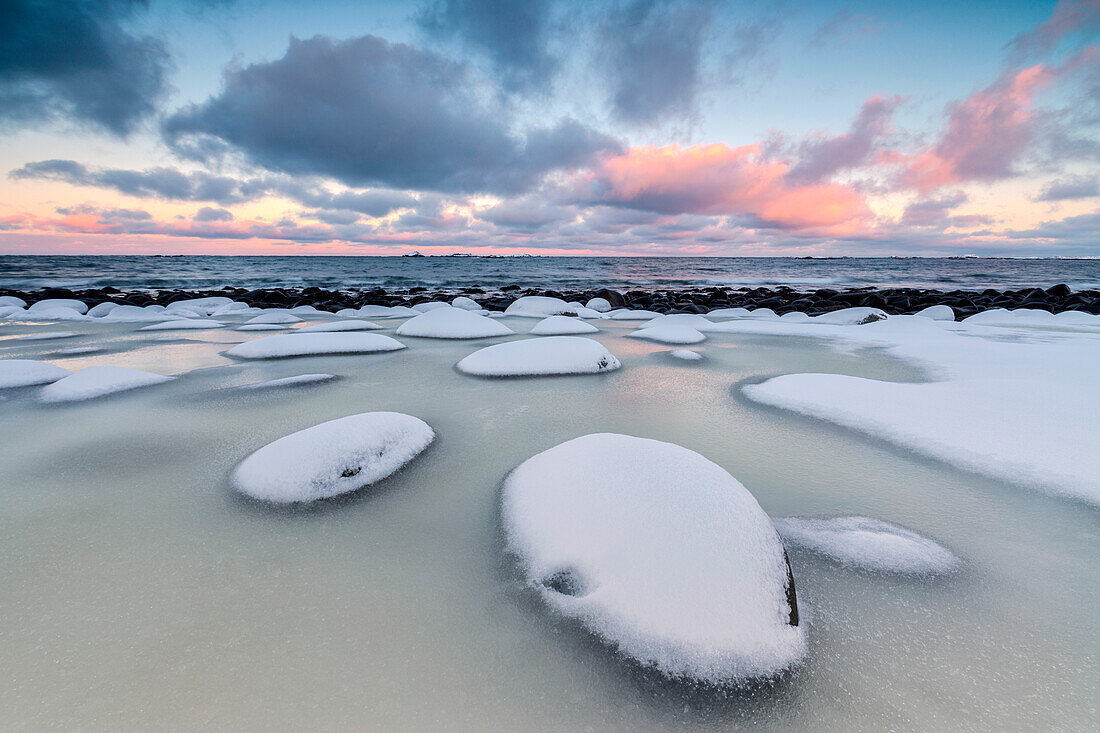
(729, 313)
(295, 381)
(12, 311)
(263, 327)
(333, 458)
(430, 306)
(11, 300)
(669, 334)
(562, 326)
(541, 356)
(626, 314)
(377, 311)
(136, 314)
(27, 372)
(307, 344)
(539, 306)
(658, 552)
(308, 310)
(850, 316)
(97, 381)
(870, 544)
(600, 305)
(452, 323)
(232, 308)
(1014, 404)
(202, 306)
(465, 303)
(686, 355)
(682, 320)
(53, 313)
(334, 326)
(274, 316)
(98, 311)
(937, 313)
(189, 324)
(54, 303)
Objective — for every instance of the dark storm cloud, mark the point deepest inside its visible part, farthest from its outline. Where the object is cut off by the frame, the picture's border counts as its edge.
(368, 112)
(513, 35)
(1071, 187)
(75, 58)
(653, 51)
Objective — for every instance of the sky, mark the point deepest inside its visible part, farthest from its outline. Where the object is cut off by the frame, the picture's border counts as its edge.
(557, 127)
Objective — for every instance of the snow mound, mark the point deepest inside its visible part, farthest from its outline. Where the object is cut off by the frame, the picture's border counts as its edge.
(600, 305)
(625, 314)
(27, 372)
(295, 381)
(335, 326)
(681, 320)
(53, 313)
(670, 334)
(97, 381)
(937, 313)
(430, 306)
(542, 356)
(12, 311)
(51, 303)
(308, 310)
(102, 309)
(202, 306)
(278, 316)
(452, 323)
(851, 316)
(306, 344)
(657, 551)
(263, 327)
(729, 313)
(232, 308)
(6, 300)
(686, 355)
(562, 326)
(332, 458)
(867, 543)
(465, 303)
(136, 314)
(540, 306)
(189, 324)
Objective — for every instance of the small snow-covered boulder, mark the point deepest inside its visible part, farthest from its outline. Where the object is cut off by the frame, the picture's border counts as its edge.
(539, 306)
(465, 303)
(186, 324)
(562, 326)
(47, 336)
(452, 323)
(12, 311)
(868, 543)
(728, 313)
(308, 344)
(336, 326)
(136, 314)
(97, 381)
(681, 320)
(658, 552)
(12, 300)
(686, 355)
(98, 311)
(333, 458)
(600, 305)
(232, 308)
(626, 314)
(308, 310)
(541, 356)
(850, 316)
(937, 313)
(263, 327)
(202, 306)
(669, 334)
(430, 306)
(67, 303)
(28, 372)
(274, 316)
(296, 381)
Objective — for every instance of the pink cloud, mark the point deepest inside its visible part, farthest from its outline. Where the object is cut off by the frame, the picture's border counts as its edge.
(718, 179)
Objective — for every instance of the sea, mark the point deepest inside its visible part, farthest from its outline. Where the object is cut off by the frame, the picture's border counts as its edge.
(28, 272)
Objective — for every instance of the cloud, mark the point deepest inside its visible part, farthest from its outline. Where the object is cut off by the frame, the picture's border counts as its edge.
(75, 59)
(514, 35)
(368, 112)
(209, 213)
(721, 180)
(527, 214)
(1070, 18)
(843, 26)
(1071, 187)
(932, 211)
(653, 54)
(820, 156)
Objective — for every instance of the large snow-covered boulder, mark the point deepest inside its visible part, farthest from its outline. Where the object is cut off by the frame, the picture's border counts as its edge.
(562, 326)
(332, 458)
(660, 553)
(430, 306)
(937, 313)
(868, 543)
(452, 323)
(541, 356)
(850, 316)
(97, 381)
(306, 344)
(539, 306)
(627, 314)
(335, 326)
(600, 305)
(28, 372)
(51, 303)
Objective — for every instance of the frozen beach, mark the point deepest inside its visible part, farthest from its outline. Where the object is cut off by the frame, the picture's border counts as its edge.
(935, 483)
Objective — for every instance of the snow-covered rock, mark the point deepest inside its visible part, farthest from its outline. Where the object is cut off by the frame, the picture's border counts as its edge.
(626, 314)
(681, 320)
(686, 355)
(202, 306)
(307, 344)
(430, 306)
(13, 312)
(51, 303)
(263, 327)
(541, 356)
(296, 381)
(728, 313)
(539, 306)
(670, 334)
(136, 314)
(851, 316)
(54, 313)
(465, 303)
(562, 326)
(97, 381)
(307, 311)
(274, 316)
(28, 372)
(868, 543)
(600, 305)
(333, 458)
(336, 326)
(232, 308)
(937, 313)
(452, 323)
(98, 311)
(6, 300)
(660, 553)
(187, 324)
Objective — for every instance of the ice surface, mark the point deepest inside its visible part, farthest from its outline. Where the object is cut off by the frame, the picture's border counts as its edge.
(562, 326)
(332, 458)
(686, 355)
(937, 313)
(334, 326)
(46, 336)
(305, 344)
(669, 334)
(274, 316)
(27, 372)
(188, 324)
(97, 381)
(452, 323)
(868, 543)
(295, 381)
(541, 356)
(659, 552)
(539, 306)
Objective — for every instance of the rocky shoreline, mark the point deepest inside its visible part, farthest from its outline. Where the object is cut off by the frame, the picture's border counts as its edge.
(781, 299)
